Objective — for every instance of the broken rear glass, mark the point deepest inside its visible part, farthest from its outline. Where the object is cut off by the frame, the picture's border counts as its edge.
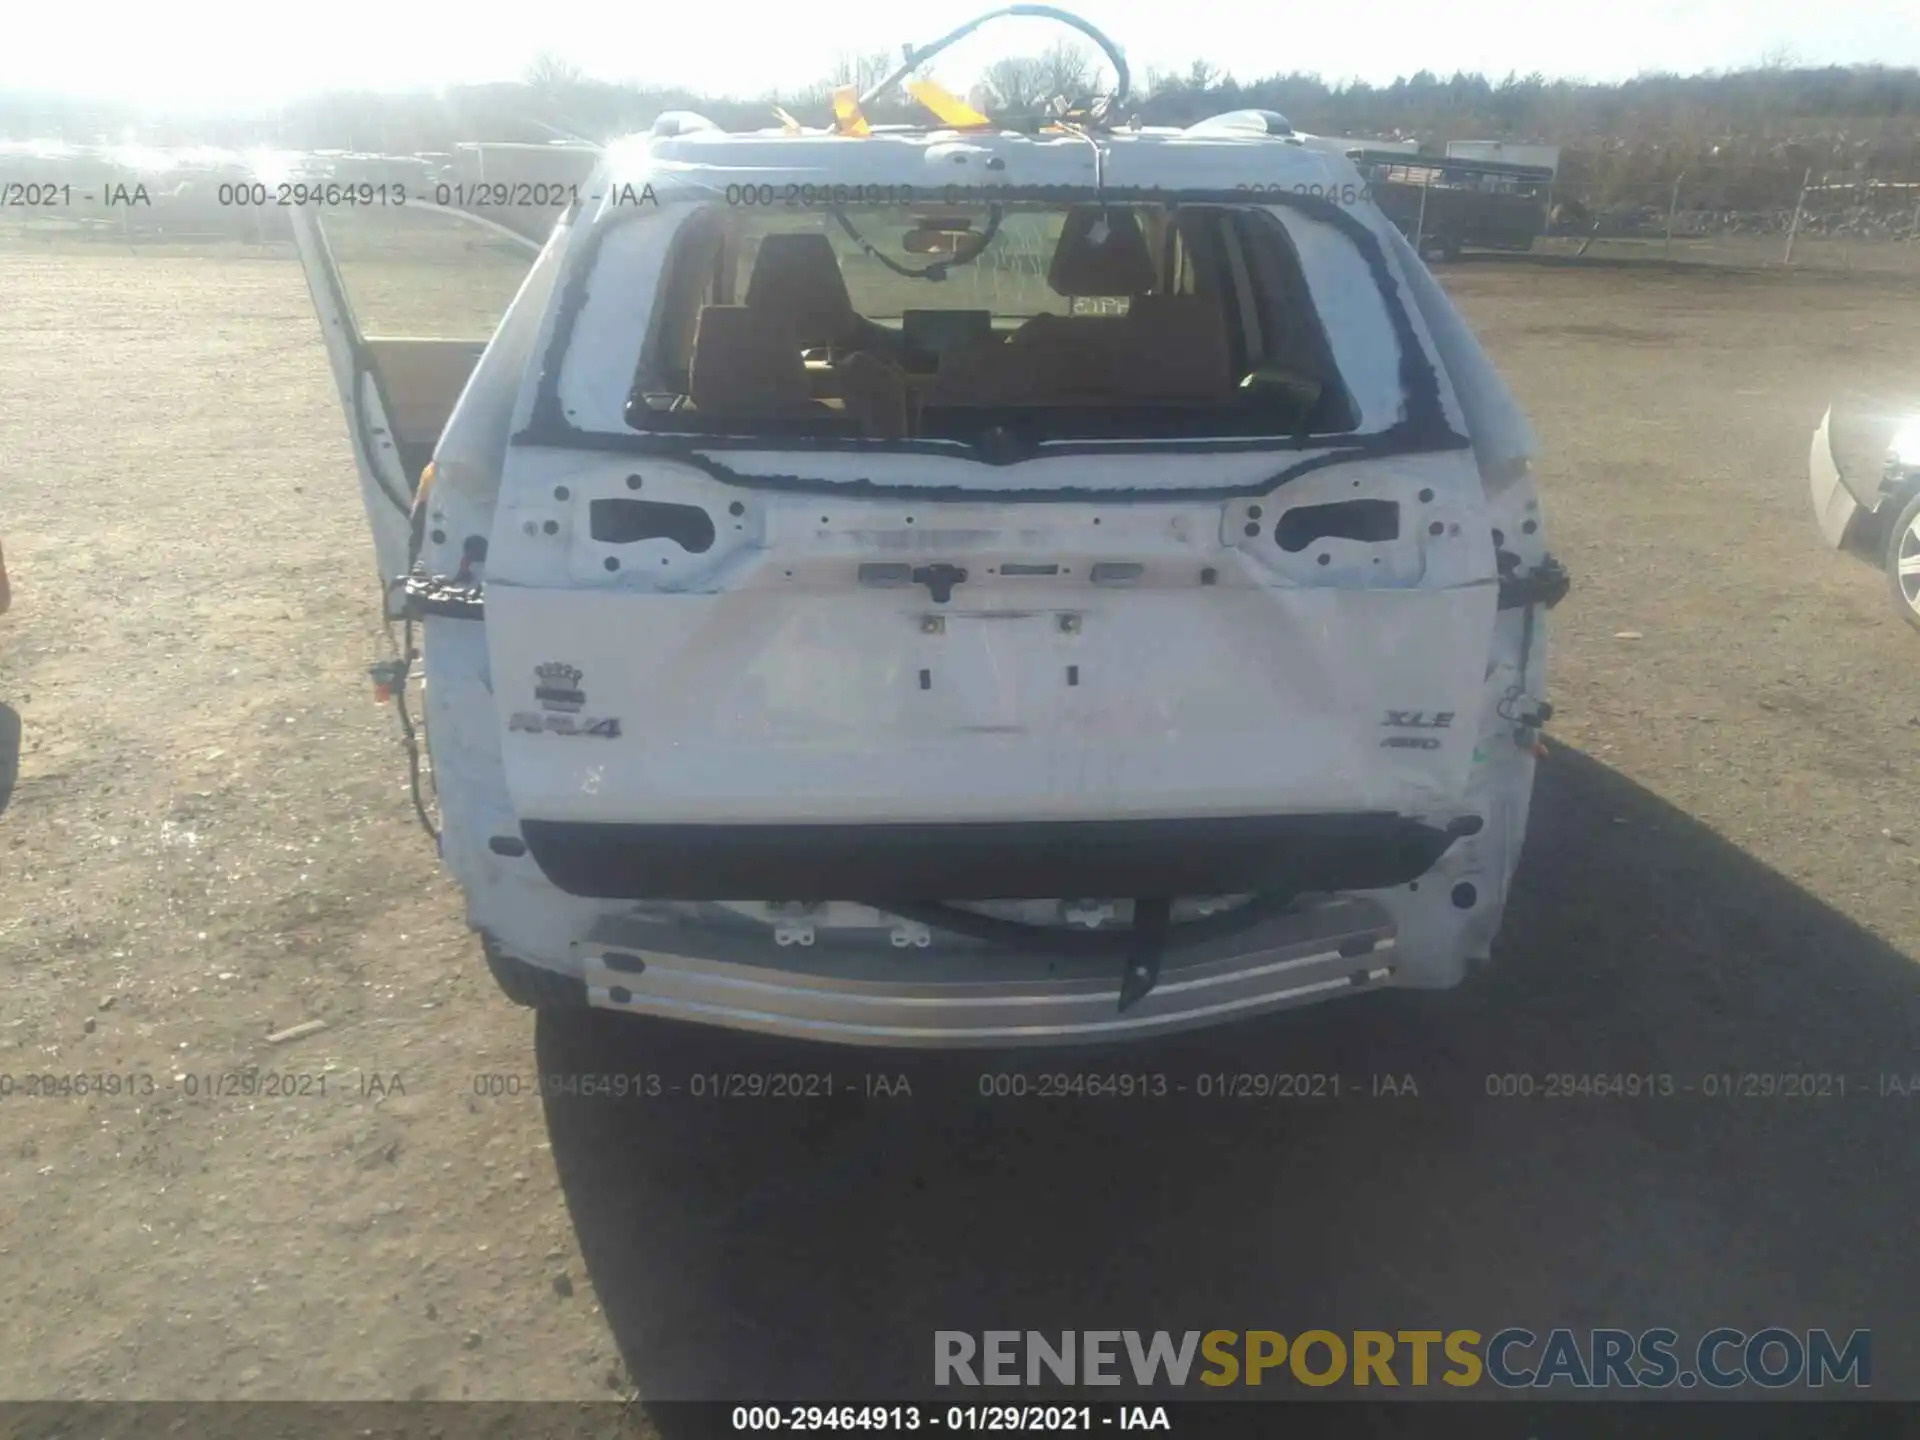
(1096, 321)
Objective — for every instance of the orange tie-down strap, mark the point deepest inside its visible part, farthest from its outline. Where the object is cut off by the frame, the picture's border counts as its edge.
(847, 118)
(950, 108)
(947, 107)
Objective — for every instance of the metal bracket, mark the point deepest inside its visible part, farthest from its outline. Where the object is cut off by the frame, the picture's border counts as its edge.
(1090, 913)
(443, 596)
(1152, 918)
(1545, 584)
(940, 580)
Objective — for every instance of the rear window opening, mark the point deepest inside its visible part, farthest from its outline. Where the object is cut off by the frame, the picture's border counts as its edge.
(1015, 324)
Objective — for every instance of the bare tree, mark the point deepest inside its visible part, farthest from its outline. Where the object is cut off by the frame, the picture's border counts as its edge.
(862, 72)
(1067, 72)
(1028, 84)
(1202, 76)
(548, 71)
(1016, 85)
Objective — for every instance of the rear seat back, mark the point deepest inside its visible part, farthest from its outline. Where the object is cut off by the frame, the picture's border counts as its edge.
(746, 362)
(1177, 348)
(1167, 350)
(797, 279)
(1073, 355)
(986, 373)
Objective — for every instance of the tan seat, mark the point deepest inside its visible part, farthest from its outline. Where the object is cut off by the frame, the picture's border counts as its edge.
(797, 278)
(797, 284)
(1168, 349)
(875, 393)
(1165, 350)
(1177, 349)
(1075, 358)
(1102, 254)
(746, 363)
(986, 373)
(1116, 266)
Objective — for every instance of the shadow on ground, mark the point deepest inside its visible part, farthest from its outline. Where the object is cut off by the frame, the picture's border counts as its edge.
(792, 1249)
(9, 754)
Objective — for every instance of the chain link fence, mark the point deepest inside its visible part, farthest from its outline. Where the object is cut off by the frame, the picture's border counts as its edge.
(1812, 219)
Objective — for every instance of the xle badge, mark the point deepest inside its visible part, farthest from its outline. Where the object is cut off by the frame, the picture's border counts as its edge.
(1415, 720)
(556, 685)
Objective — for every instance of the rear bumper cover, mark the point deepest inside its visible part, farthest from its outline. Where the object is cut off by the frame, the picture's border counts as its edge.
(957, 995)
(1014, 861)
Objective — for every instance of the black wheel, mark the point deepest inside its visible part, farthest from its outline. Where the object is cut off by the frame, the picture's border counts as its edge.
(531, 985)
(1903, 561)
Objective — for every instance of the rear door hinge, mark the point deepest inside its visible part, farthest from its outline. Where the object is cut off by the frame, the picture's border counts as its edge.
(1545, 584)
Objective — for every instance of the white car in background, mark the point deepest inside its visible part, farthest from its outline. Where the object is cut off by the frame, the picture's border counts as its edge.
(1874, 512)
(957, 585)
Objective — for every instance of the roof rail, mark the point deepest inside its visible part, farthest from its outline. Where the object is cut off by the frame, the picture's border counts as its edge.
(679, 122)
(1243, 122)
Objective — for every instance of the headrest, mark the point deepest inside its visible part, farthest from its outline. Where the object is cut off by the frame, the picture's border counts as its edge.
(1115, 263)
(743, 361)
(798, 276)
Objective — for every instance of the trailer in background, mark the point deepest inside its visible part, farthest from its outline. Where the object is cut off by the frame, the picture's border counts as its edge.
(1445, 205)
(1502, 152)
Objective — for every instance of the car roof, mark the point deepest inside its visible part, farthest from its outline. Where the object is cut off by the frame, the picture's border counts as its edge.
(959, 165)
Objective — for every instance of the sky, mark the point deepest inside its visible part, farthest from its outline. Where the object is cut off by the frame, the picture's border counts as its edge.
(241, 53)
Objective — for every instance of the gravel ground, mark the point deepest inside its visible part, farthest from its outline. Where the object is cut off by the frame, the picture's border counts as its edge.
(209, 841)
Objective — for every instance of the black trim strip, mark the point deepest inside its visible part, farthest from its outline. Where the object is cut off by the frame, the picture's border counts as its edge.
(438, 595)
(866, 489)
(1424, 427)
(1231, 855)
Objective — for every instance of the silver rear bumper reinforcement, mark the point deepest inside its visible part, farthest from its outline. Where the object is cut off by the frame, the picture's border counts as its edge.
(864, 991)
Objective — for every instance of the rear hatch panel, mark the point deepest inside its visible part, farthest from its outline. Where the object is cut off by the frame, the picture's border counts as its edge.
(669, 650)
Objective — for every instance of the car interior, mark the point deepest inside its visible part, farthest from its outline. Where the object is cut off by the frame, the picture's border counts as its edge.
(1146, 321)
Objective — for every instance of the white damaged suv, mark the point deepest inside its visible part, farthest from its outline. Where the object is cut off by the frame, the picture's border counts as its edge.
(957, 585)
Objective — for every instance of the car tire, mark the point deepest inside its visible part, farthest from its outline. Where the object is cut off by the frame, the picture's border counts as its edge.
(533, 986)
(1903, 542)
